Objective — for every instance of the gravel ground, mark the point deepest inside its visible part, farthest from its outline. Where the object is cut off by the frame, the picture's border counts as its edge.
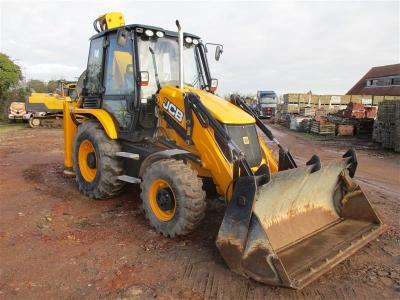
(58, 244)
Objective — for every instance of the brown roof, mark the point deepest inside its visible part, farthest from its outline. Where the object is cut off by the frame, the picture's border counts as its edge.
(360, 89)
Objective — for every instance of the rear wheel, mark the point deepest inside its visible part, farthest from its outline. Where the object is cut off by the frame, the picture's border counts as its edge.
(95, 164)
(173, 198)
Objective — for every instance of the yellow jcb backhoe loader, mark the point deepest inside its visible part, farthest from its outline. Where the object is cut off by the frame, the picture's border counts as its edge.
(148, 115)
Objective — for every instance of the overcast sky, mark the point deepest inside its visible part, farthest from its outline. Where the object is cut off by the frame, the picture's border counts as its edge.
(324, 47)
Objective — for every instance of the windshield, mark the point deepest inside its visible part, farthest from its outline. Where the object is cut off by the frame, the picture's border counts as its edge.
(166, 53)
(267, 100)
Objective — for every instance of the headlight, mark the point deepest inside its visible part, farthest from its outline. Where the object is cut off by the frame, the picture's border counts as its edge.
(188, 40)
(160, 34)
(195, 42)
(149, 33)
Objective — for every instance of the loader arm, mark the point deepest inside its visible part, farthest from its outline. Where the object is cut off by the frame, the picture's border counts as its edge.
(286, 160)
(285, 228)
(200, 127)
(186, 118)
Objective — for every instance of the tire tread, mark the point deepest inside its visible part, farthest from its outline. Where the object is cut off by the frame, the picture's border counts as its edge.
(188, 184)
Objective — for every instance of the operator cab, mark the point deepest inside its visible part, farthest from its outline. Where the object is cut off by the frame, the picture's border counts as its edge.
(127, 66)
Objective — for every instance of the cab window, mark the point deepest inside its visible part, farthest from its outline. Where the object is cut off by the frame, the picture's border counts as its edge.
(119, 71)
(94, 67)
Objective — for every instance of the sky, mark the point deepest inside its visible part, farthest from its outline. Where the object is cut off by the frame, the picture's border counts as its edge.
(289, 47)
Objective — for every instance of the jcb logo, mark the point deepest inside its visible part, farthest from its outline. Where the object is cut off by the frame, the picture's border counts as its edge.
(173, 110)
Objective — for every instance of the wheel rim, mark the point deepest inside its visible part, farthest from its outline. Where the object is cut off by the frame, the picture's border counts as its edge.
(35, 122)
(87, 160)
(162, 200)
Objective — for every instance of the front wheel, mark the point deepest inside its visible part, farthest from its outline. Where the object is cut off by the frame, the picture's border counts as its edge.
(94, 162)
(34, 122)
(173, 198)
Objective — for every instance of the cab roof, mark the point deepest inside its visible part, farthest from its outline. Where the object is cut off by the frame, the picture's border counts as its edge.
(134, 26)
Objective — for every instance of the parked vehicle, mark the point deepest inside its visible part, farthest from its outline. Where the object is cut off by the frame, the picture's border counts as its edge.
(46, 109)
(164, 129)
(266, 104)
(16, 111)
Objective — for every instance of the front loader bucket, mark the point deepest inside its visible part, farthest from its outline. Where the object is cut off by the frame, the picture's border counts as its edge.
(304, 222)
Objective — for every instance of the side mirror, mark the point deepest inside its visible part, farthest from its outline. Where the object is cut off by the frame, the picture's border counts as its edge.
(213, 85)
(144, 78)
(218, 49)
(218, 52)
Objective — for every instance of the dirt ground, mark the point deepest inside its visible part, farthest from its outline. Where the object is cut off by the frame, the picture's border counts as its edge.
(58, 244)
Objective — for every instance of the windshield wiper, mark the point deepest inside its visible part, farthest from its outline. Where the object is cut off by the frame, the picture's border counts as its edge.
(155, 69)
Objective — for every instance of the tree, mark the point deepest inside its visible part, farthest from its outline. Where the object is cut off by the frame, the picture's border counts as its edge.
(10, 77)
(10, 74)
(37, 86)
(52, 86)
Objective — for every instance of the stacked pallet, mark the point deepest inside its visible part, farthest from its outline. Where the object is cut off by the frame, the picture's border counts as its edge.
(296, 123)
(397, 136)
(370, 112)
(388, 135)
(344, 100)
(305, 125)
(307, 111)
(345, 129)
(377, 100)
(377, 133)
(322, 127)
(354, 110)
(304, 100)
(344, 126)
(286, 120)
(386, 129)
(290, 103)
(321, 112)
(365, 126)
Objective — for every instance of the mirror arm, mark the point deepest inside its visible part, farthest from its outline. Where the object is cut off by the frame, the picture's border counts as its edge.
(213, 44)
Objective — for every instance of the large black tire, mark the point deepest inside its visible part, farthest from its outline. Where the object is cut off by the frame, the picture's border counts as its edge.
(105, 183)
(186, 186)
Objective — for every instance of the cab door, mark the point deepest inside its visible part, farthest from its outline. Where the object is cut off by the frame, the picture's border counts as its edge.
(93, 83)
(119, 80)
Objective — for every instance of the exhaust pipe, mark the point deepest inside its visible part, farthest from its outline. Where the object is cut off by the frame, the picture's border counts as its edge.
(180, 40)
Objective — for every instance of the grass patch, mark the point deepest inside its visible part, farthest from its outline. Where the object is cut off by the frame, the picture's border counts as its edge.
(4, 127)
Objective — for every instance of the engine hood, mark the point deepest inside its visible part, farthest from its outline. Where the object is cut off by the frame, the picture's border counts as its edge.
(221, 109)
